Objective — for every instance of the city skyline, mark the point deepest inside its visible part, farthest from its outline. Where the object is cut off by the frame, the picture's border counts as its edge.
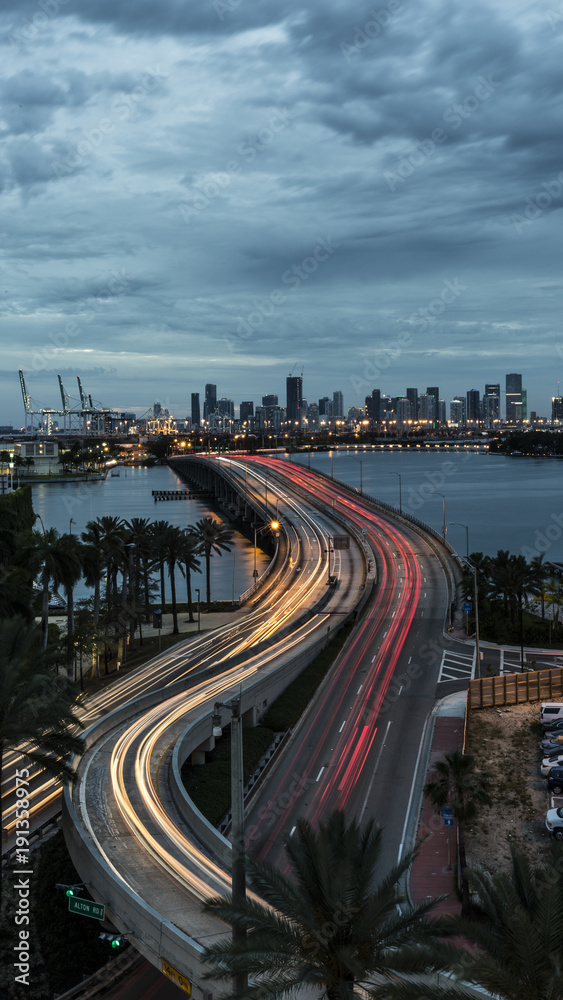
(381, 210)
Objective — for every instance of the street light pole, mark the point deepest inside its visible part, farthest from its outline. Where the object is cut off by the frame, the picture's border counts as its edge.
(197, 590)
(400, 490)
(466, 535)
(444, 529)
(476, 599)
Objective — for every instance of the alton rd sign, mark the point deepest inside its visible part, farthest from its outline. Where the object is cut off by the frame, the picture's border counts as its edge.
(86, 907)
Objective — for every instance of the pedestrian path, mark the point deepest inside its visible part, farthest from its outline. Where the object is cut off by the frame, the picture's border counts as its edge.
(433, 870)
(456, 666)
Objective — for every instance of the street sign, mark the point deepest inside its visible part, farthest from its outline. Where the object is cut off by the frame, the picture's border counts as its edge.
(467, 605)
(177, 978)
(340, 542)
(446, 812)
(86, 907)
(448, 821)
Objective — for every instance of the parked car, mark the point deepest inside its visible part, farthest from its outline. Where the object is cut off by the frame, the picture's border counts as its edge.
(556, 741)
(554, 728)
(553, 752)
(548, 763)
(554, 822)
(555, 781)
(550, 711)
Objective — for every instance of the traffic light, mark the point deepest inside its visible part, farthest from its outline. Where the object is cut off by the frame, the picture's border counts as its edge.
(115, 940)
(70, 890)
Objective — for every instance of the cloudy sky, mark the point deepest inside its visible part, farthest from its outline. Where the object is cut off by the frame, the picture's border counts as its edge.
(224, 191)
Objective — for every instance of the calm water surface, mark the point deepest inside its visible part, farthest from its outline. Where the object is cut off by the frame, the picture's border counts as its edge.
(129, 495)
(507, 503)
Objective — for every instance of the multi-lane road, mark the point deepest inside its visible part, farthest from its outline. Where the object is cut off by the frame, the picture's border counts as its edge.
(356, 748)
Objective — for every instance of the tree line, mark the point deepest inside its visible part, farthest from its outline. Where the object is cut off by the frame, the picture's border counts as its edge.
(507, 585)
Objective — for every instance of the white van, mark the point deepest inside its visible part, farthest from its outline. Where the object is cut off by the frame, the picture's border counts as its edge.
(550, 712)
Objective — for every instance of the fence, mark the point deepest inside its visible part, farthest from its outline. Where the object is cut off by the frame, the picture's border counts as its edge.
(515, 689)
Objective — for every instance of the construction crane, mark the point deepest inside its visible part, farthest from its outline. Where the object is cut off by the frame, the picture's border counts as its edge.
(83, 399)
(25, 394)
(64, 396)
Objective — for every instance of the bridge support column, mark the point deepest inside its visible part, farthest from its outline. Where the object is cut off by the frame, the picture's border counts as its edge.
(197, 757)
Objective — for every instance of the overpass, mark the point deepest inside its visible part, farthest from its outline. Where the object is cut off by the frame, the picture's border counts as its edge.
(135, 837)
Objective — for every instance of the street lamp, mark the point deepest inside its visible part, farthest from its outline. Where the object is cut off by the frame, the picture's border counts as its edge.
(476, 599)
(435, 493)
(400, 490)
(274, 526)
(466, 535)
(238, 873)
(70, 526)
(197, 590)
(361, 461)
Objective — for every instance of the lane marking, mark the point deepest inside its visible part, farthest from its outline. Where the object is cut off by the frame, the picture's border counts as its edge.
(413, 785)
(373, 658)
(410, 658)
(359, 689)
(320, 772)
(368, 793)
(342, 726)
(293, 829)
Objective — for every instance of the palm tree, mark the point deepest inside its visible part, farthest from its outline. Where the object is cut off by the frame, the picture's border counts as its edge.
(334, 923)
(139, 536)
(93, 562)
(37, 708)
(112, 530)
(537, 575)
(214, 537)
(68, 552)
(42, 550)
(173, 548)
(158, 530)
(460, 785)
(191, 549)
(519, 935)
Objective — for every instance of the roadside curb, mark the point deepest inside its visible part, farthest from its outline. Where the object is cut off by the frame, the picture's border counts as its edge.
(417, 788)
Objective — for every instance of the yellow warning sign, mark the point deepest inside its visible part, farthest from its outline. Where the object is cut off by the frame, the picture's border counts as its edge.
(177, 978)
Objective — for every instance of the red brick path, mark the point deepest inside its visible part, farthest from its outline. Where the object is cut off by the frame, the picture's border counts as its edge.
(430, 875)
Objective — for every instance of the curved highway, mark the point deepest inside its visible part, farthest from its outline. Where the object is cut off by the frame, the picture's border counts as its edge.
(123, 799)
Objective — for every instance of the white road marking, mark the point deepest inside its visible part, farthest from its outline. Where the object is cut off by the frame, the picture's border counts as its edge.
(359, 689)
(320, 772)
(410, 658)
(368, 793)
(373, 658)
(293, 829)
(342, 726)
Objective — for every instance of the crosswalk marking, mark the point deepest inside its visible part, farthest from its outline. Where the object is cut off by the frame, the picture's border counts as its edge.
(455, 666)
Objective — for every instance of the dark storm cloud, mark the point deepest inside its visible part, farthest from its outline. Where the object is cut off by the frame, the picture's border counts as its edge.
(202, 150)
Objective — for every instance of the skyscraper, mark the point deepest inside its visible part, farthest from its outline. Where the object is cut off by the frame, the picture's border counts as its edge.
(338, 404)
(514, 409)
(412, 396)
(373, 406)
(246, 411)
(473, 406)
(270, 400)
(491, 404)
(196, 416)
(210, 401)
(294, 396)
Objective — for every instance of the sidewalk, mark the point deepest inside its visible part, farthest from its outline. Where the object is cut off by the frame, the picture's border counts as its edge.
(433, 870)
